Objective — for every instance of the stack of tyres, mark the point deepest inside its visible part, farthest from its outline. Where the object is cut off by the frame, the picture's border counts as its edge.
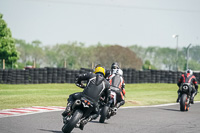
(5, 76)
(158, 76)
(133, 76)
(49, 74)
(1, 76)
(44, 76)
(125, 75)
(147, 75)
(162, 76)
(26, 76)
(54, 75)
(59, 75)
(153, 76)
(12, 76)
(141, 77)
(169, 76)
(144, 74)
(19, 76)
(77, 72)
(40, 75)
(129, 75)
(31, 75)
(36, 76)
(175, 77)
(68, 76)
(9, 76)
(137, 80)
(166, 76)
(72, 79)
(63, 73)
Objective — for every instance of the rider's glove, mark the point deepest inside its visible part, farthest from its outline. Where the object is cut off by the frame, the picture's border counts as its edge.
(80, 85)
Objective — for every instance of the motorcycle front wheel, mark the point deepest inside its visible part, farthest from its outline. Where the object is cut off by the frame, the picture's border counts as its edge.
(183, 103)
(67, 128)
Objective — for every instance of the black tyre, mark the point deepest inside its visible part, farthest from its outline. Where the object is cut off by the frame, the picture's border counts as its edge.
(104, 113)
(183, 103)
(67, 128)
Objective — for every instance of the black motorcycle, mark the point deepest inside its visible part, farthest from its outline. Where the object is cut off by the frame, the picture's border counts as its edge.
(108, 109)
(185, 91)
(81, 109)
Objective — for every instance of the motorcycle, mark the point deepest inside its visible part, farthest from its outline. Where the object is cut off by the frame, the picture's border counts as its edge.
(108, 109)
(81, 109)
(185, 91)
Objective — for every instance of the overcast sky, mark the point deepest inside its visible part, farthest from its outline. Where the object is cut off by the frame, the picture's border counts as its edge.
(123, 22)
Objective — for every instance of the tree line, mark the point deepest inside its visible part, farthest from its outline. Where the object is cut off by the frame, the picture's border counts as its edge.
(166, 58)
(18, 53)
(76, 55)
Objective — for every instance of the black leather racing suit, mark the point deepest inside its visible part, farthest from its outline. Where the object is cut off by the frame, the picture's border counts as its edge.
(96, 86)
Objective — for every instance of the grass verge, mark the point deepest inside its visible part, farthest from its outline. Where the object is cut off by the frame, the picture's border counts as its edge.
(17, 96)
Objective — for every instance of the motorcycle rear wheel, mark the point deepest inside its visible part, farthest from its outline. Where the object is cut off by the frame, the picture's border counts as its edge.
(67, 128)
(104, 113)
(183, 103)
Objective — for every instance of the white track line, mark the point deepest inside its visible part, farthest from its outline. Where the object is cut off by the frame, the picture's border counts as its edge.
(28, 111)
(41, 109)
(160, 105)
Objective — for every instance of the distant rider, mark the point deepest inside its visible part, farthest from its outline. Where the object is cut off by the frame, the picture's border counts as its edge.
(117, 84)
(96, 86)
(188, 77)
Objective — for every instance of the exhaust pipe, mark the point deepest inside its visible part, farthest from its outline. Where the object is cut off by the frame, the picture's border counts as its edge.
(76, 103)
(115, 110)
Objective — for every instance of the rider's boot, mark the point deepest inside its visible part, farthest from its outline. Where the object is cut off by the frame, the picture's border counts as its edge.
(120, 104)
(84, 122)
(90, 118)
(68, 109)
(192, 98)
(178, 99)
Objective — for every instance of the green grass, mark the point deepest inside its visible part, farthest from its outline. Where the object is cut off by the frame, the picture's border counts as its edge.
(16, 96)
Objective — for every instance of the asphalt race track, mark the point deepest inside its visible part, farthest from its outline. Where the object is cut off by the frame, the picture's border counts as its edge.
(160, 119)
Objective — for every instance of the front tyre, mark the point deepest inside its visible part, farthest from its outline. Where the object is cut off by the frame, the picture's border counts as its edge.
(67, 128)
(104, 113)
(183, 103)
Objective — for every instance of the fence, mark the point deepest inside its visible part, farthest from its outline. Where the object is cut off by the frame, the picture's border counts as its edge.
(63, 75)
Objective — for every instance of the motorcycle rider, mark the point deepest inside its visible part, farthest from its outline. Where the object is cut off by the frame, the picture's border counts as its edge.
(107, 72)
(115, 65)
(96, 86)
(188, 77)
(117, 84)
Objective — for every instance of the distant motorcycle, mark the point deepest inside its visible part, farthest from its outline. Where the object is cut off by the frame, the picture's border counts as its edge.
(81, 109)
(185, 91)
(108, 109)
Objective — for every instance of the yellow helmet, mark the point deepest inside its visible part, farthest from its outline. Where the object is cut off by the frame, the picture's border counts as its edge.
(99, 70)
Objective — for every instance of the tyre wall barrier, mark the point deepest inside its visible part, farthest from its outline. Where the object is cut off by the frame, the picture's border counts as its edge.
(63, 75)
